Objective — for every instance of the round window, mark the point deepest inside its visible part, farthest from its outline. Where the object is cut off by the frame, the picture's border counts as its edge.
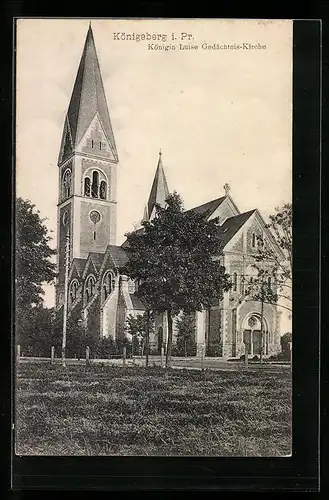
(65, 218)
(95, 216)
(252, 321)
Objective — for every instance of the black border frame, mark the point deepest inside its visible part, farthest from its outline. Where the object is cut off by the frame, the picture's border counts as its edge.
(297, 473)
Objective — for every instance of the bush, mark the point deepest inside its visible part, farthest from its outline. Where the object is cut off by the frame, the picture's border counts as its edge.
(214, 350)
(179, 350)
(281, 356)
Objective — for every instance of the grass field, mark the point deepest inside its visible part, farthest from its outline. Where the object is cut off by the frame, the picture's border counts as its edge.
(109, 410)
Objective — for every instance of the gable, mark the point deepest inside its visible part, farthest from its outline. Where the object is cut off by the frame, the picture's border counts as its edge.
(95, 142)
(107, 262)
(225, 210)
(77, 268)
(90, 268)
(254, 224)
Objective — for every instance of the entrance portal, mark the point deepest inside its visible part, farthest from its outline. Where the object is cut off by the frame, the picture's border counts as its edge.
(252, 334)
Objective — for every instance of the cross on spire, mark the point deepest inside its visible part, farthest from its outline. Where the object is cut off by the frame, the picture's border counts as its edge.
(227, 189)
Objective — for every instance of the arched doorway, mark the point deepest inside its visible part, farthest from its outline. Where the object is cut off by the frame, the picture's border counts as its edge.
(160, 339)
(252, 334)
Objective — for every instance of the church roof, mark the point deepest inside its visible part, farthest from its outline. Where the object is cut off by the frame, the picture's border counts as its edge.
(118, 255)
(232, 225)
(159, 190)
(136, 302)
(79, 264)
(88, 97)
(209, 207)
(97, 259)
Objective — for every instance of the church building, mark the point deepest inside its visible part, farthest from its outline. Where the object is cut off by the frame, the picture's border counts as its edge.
(96, 292)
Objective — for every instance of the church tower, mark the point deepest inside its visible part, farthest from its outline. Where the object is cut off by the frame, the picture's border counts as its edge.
(87, 167)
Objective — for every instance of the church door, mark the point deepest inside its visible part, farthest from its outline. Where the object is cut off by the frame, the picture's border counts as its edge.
(247, 338)
(256, 342)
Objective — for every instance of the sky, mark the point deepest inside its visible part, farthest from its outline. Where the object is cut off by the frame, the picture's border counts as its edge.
(219, 116)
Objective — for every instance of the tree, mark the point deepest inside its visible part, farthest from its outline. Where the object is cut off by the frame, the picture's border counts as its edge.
(35, 334)
(278, 267)
(261, 289)
(33, 266)
(175, 260)
(138, 327)
(273, 269)
(186, 333)
(285, 340)
(33, 253)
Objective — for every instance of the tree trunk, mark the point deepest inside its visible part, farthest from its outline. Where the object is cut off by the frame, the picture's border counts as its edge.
(147, 337)
(169, 341)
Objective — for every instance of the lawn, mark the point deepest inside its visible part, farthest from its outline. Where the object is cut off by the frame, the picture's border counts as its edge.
(111, 410)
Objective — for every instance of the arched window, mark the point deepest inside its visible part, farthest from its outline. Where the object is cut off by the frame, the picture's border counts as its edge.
(253, 242)
(90, 288)
(66, 185)
(102, 190)
(107, 285)
(87, 187)
(269, 282)
(95, 185)
(73, 290)
(235, 282)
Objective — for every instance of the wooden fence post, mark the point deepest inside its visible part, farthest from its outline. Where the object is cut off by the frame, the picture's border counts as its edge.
(124, 356)
(87, 355)
(18, 353)
(52, 354)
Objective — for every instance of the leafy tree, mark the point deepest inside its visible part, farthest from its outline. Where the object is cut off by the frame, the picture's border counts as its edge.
(35, 335)
(285, 347)
(33, 267)
(273, 270)
(279, 268)
(33, 253)
(186, 333)
(138, 326)
(173, 261)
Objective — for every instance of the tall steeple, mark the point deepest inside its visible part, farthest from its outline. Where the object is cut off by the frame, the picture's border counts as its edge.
(159, 191)
(87, 100)
(87, 169)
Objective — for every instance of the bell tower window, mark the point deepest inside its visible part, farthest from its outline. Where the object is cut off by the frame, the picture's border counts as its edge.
(87, 187)
(66, 184)
(102, 190)
(95, 185)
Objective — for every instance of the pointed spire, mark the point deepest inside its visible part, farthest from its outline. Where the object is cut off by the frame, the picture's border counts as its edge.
(88, 97)
(159, 191)
(145, 215)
